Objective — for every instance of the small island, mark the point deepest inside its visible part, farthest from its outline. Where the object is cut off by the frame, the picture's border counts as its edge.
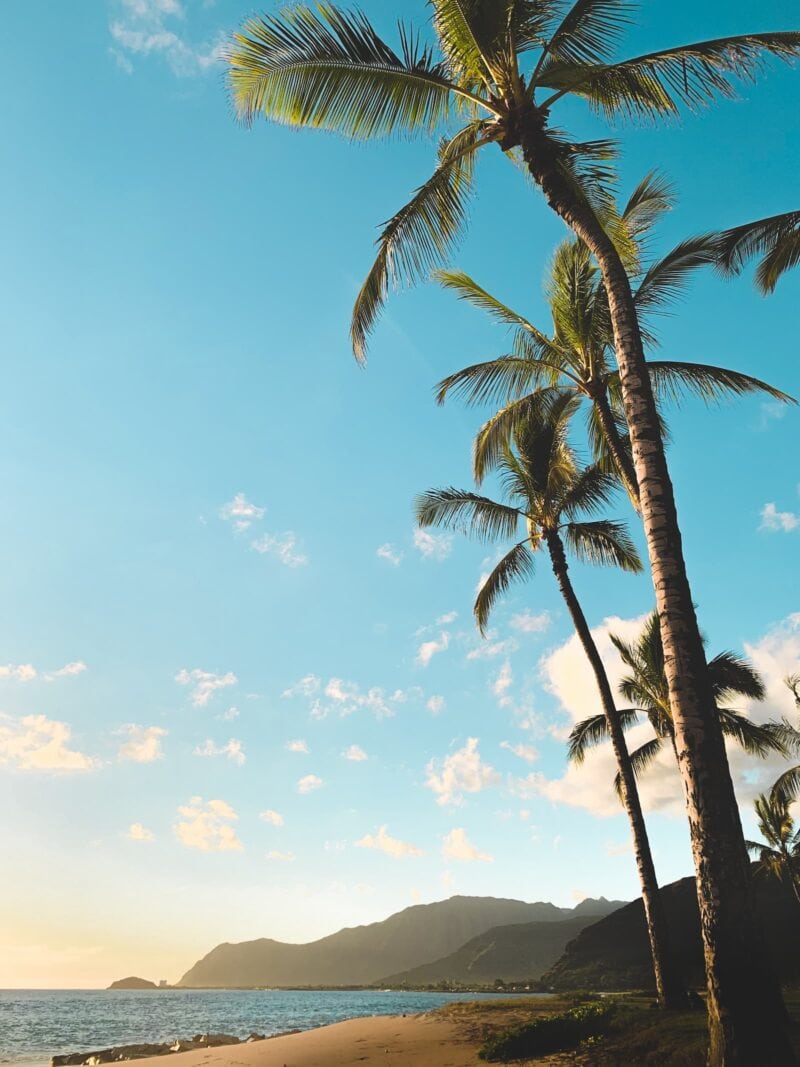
(133, 983)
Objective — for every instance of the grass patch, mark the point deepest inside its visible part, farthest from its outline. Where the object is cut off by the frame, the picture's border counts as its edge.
(550, 1033)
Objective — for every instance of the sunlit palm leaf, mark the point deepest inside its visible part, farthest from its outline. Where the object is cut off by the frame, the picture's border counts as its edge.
(515, 566)
(588, 492)
(492, 439)
(603, 542)
(756, 740)
(665, 279)
(421, 234)
(330, 69)
(475, 515)
(673, 380)
(786, 787)
(775, 239)
(659, 82)
(590, 31)
(495, 381)
(470, 33)
(591, 732)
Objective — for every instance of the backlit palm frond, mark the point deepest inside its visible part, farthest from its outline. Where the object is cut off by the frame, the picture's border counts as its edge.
(641, 758)
(652, 198)
(590, 31)
(732, 675)
(674, 381)
(326, 68)
(786, 787)
(587, 492)
(477, 516)
(421, 234)
(515, 566)
(665, 279)
(496, 381)
(603, 542)
(598, 442)
(471, 34)
(493, 437)
(658, 83)
(775, 239)
(755, 739)
(466, 288)
(594, 731)
(571, 289)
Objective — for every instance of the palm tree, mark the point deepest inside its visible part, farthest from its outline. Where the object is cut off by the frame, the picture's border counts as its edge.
(547, 491)
(780, 856)
(786, 788)
(776, 240)
(503, 67)
(577, 355)
(645, 690)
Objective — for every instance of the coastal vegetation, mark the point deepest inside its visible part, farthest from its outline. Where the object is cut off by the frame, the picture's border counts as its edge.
(498, 73)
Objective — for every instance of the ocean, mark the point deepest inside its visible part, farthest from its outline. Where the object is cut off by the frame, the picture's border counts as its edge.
(36, 1024)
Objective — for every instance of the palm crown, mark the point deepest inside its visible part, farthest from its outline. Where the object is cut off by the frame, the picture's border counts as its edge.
(500, 69)
(577, 354)
(645, 690)
(547, 490)
(779, 852)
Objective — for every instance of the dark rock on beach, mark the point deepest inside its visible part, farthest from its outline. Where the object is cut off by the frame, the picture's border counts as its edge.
(137, 1052)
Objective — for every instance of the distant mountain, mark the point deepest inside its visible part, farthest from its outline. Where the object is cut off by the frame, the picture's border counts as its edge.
(512, 953)
(362, 955)
(133, 983)
(614, 953)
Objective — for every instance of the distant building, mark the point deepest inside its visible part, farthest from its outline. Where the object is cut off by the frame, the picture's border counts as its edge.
(162, 984)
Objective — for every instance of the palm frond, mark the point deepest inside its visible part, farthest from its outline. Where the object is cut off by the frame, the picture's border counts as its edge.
(640, 758)
(493, 437)
(652, 197)
(594, 731)
(496, 381)
(590, 31)
(515, 566)
(674, 381)
(605, 543)
(470, 34)
(589, 491)
(754, 739)
(775, 239)
(665, 279)
(330, 69)
(466, 288)
(732, 675)
(477, 516)
(786, 787)
(421, 234)
(658, 83)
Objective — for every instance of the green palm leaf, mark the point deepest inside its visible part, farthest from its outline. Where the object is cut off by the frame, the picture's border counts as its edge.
(591, 732)
(325, 68)
(732, 675)
(776, 239)
(421, 234)
(515, 566)
(673, 380)
(492, 439)
(657, 83)
(590, 31)
(666, 278)
(470, 34)
(786, 787)
(496, 380)
(754, 739)
(476, 515)
(605, 543)
(587, 492)
(641, 758)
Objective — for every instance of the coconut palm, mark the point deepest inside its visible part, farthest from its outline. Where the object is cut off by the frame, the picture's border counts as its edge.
(577, 354)
(502, 68)
(645, 690)
(774, 241)
(546, 489)
(786, 788)
(779, 853)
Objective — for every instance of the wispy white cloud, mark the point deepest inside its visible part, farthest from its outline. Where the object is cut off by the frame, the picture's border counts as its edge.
(528, 623)
(491, 649)
(143, 744)
(773, 520)
(283, 546)
(229, 715)
(207, 826)
(461, 772)
(389, 553)
(36, 743)
(272, 817)
(309, 783)
(447, 619)
(232, 749)
(428, 649)
(298, 745)
(502, 683)
(20, 672)
(241, 512)
(307, 686)
(204, 684)
(142, 28)
(341, 697)
(433, 546)
(390, 846)
(137, 832)
(281, 857)
(457, 846)
(435, 704)
(355, 753)
(526, 752)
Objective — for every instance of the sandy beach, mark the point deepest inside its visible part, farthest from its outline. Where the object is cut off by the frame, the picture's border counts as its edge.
(429, 1040)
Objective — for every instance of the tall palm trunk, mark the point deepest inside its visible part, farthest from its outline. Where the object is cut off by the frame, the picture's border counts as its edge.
(670, 989)
(747, 1018)
(622, 461)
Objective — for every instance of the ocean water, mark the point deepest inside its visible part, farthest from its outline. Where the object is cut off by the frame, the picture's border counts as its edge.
(36, 1024)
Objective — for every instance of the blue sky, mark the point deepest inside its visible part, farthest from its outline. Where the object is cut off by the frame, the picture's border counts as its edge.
(176, 301)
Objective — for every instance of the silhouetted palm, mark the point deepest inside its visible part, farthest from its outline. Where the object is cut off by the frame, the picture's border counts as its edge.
(774, 241)
(779, 853)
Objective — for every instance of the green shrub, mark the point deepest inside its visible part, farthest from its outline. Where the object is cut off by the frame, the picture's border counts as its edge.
(550, 1033)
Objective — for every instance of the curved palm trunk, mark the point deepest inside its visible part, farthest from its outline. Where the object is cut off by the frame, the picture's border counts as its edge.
(622, 461)
(747, 1019)
(670, 989)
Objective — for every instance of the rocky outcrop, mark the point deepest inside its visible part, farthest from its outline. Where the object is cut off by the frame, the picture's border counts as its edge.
(137, 1052)
(133, 983)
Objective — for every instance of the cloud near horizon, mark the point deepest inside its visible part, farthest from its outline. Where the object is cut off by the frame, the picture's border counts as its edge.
(457, 846)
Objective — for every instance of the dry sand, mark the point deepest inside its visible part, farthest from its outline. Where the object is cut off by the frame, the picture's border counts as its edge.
(429, 1040)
